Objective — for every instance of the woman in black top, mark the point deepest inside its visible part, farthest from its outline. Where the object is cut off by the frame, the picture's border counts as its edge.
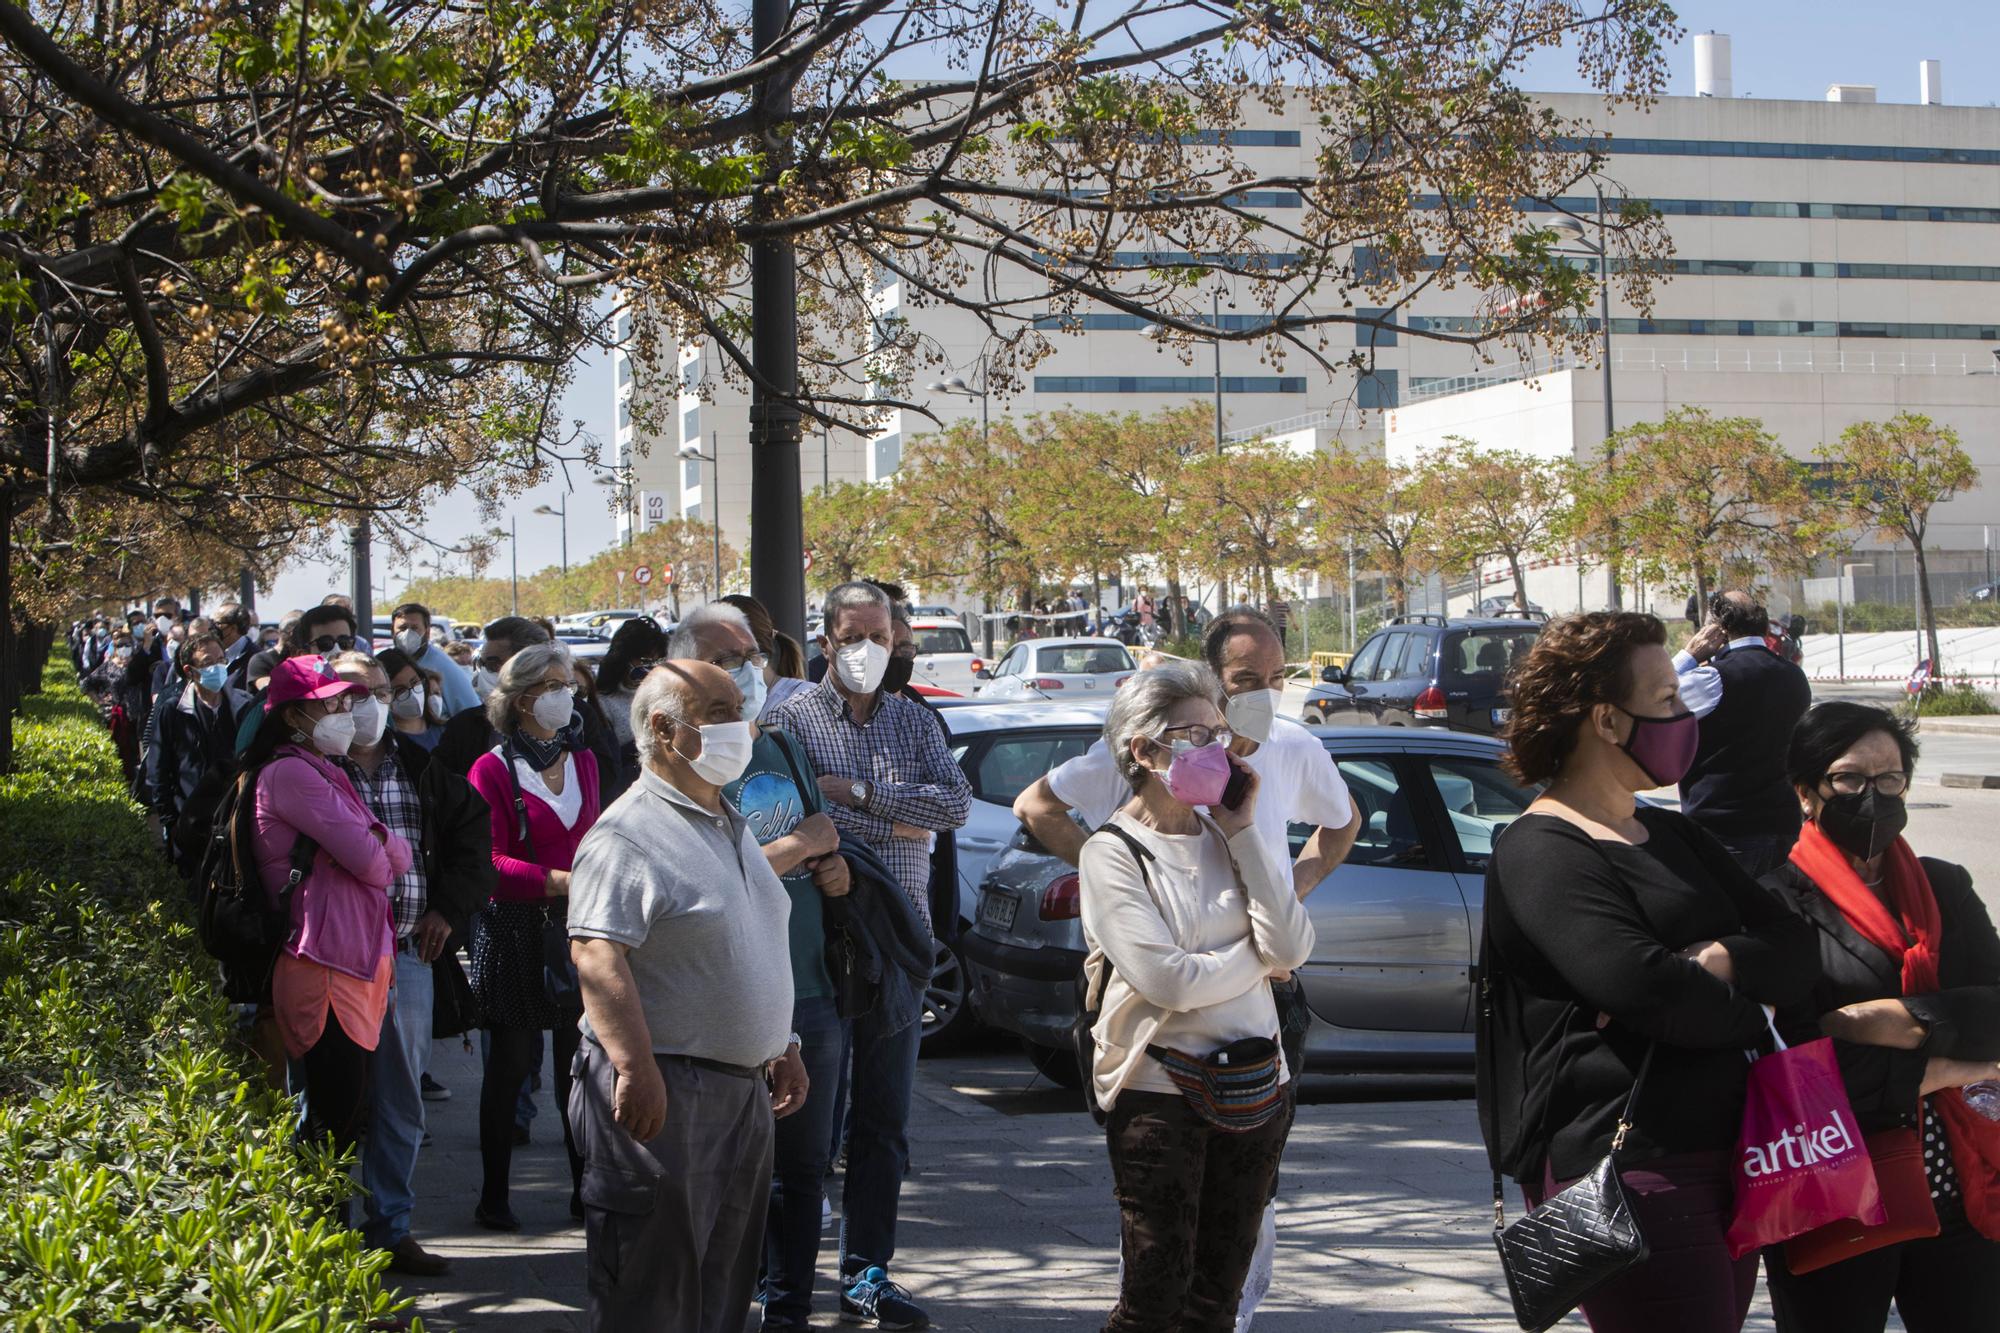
(1910, 993)
(1611, 928)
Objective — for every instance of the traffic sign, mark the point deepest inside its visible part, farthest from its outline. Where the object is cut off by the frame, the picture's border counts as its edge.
(1920, 679)
(809, 562)
(642, 575)
(666, 573)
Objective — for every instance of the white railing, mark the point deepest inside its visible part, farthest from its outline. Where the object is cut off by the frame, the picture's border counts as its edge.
(1719, 361)
(1304, 421)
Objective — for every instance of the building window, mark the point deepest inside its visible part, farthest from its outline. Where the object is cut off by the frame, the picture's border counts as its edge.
(888, 454)
(1377, 389)
(1266, 199)
(623, 327)
(1178, 258)
(1800, 152)
(691, 426)
(693, 512)
(1168, 384)
(691, 376)
(1094, 323)
(1368, 335)
(1586, 207)
(690, 474)
(624, 413)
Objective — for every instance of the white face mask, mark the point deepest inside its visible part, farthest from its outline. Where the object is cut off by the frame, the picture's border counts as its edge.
(370, 717)
(861, 666)
(411, 641)
(750, 680)
(434, 704)
(409, 704)
(552, 710)
(1252, 713)
(334, 734)
(725, 752)
(484, 682)
(162, 623)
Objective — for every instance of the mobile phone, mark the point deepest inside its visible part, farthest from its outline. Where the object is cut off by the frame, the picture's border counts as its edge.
(1237, 788)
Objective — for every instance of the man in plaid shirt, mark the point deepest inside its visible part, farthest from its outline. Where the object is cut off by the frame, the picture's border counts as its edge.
(890, 782)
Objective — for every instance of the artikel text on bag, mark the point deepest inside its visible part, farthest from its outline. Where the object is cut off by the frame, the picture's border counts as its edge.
(1795, 1148)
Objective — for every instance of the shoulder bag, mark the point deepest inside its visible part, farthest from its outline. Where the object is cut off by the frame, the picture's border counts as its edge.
(559, 979)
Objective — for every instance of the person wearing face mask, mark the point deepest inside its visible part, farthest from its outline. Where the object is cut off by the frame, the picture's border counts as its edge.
(330, 988)
(412, 700)
(1748, 699)
(450, 875)
(889, 781)
(678, 926)
(320, 631)
(410, 626)
(1186, 912)
(1910, 993)
(194, 731)
(540, 783)
(637, 647)
(1622, 937)
(775, 789)
(469, 734)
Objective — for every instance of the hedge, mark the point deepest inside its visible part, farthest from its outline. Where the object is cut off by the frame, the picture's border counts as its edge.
(152, 1178)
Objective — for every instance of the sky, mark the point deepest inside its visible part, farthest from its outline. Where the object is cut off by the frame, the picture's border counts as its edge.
(1780, 49)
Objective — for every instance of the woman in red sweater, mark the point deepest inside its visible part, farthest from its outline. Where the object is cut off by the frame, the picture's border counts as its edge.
(541, 784)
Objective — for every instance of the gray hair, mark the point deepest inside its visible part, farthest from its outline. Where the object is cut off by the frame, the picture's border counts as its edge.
(850, 597)
(685, 641)
(663, 691)
(1139, 708)
(522, 672)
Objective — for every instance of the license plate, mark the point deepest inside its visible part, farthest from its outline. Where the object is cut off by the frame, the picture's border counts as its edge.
(1501, 715)
(997, 910)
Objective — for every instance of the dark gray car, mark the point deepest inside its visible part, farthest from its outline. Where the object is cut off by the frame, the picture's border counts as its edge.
(1397, 924)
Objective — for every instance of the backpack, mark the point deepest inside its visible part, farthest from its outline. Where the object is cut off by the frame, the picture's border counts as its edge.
(237, 925)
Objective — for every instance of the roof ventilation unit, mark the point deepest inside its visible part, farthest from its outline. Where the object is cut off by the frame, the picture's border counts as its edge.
(1711, 65)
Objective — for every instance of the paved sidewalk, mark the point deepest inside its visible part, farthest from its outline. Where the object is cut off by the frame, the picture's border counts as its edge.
(1008, 1224)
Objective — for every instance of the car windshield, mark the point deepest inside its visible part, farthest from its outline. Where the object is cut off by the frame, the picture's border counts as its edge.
(1083, 659)
(948, 639)
(1485, 655)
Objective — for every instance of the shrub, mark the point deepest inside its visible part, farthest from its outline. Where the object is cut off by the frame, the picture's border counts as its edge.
(1961, 698)
(152, 1178)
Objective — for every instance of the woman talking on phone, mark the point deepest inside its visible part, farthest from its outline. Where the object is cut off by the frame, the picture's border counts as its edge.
(1186, 915)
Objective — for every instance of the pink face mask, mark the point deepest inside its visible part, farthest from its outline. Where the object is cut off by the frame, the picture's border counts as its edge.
(1197, 776)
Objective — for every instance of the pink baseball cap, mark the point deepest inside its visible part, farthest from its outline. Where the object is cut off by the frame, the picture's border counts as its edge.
(298, 678)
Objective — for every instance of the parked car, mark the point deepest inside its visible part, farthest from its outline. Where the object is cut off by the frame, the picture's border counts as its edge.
(1396, 925)
(1427, 671)
(1002, 748)
(1500, 606)
(934, 612)
(1985, 592)
(945, 659)
(1039, 668)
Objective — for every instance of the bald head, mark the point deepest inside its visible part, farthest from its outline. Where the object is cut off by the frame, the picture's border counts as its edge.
(669, 708)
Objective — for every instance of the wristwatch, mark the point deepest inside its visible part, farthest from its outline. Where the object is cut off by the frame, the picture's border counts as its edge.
(793, 1040)
(859, 791)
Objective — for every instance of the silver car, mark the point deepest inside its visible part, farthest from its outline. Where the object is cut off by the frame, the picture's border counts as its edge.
(1397, 924)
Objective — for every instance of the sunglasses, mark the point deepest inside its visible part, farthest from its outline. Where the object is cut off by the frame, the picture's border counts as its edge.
(326, 643)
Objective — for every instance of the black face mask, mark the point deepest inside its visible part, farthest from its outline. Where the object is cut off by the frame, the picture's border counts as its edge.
(1865, 824)
(896, 676)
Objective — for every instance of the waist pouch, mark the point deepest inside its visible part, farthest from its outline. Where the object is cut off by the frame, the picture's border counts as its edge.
(1235, 1089)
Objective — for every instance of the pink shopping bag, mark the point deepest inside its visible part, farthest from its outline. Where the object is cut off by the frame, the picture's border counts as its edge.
(1800, 1162)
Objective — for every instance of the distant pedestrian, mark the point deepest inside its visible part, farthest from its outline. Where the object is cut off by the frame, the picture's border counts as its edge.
(678, 927)
(1749, 699)
(1625, 948)
(1185, 916)
(410, 624)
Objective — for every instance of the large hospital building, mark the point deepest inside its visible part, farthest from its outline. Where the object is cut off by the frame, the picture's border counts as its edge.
(1834, 261)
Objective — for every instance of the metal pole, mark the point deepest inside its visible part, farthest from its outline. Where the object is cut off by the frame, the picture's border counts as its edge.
(1604, 318)
(1840, 625)
(514, 546)
(562, 517)
(777, 551)
(825, 458)
(1215, 342)
(715, 520)
(246, 594)
(361, 581)
(1351, 602)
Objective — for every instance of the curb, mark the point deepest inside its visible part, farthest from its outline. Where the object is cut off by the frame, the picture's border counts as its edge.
(1960, 726)
(1976, 781)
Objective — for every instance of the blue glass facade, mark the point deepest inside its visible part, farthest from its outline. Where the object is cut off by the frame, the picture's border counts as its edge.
(1169, 384)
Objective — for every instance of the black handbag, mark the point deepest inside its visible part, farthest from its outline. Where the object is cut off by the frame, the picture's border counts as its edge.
(1577, 1239)
(559, 979)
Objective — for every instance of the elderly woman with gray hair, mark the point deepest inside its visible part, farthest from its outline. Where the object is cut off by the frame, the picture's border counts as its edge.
(540, 782)
(1186, 915)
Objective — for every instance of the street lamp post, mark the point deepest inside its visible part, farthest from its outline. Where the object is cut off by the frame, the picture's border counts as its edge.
(620, 479)
(1840, 615)
(561, 513)
(1600, 248)
(514, 559)
(713, 506)
(958, 388)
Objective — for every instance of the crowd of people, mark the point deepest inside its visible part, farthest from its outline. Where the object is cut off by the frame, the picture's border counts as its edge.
(706, 873)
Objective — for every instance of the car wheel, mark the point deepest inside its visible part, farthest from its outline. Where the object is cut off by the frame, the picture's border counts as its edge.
(947, 1016)
(1058, 1067)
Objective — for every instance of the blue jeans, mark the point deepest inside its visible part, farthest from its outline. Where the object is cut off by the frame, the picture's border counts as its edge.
(396, 1105)
(878, 1149)
(798, 1175)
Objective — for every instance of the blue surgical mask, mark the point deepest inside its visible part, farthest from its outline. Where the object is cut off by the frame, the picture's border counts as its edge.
(214, 677)
(750, 679)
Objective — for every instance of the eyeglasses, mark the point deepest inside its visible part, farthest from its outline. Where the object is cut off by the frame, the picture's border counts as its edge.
(736, 661)
(339, 703)
(326, 643)
(641, 668)
(1853, 784)
(491, 662)
(1197, 735)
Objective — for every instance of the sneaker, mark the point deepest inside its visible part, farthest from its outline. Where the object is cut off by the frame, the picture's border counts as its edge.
(825, 1212)
(413, 1259)
(870, 1297)
(434, 1091)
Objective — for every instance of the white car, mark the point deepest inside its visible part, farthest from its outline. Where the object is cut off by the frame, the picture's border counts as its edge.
(1060, 669)
(945, 660)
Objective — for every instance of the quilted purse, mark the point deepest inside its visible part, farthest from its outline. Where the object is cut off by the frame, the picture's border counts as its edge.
(1578, 1239)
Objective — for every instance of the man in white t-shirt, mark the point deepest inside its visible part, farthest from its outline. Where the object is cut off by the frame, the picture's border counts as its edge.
(1300, 783)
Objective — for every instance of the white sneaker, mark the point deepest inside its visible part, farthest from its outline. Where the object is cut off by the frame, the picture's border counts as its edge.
(825, 1212)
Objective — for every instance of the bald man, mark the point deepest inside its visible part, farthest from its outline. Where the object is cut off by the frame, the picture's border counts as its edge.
(677, 923)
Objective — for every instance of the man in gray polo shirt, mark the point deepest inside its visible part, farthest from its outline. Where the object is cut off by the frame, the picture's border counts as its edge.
(677, 925)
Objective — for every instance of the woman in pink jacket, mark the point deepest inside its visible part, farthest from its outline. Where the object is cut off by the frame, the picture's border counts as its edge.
(541, 784)
(331, 983)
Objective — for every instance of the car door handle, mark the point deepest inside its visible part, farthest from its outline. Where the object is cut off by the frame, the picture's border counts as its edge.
(980, 844)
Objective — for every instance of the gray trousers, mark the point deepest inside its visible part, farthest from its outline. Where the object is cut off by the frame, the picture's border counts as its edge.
(673, 1228)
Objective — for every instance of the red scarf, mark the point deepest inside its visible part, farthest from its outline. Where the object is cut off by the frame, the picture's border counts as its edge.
(1913, 935)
